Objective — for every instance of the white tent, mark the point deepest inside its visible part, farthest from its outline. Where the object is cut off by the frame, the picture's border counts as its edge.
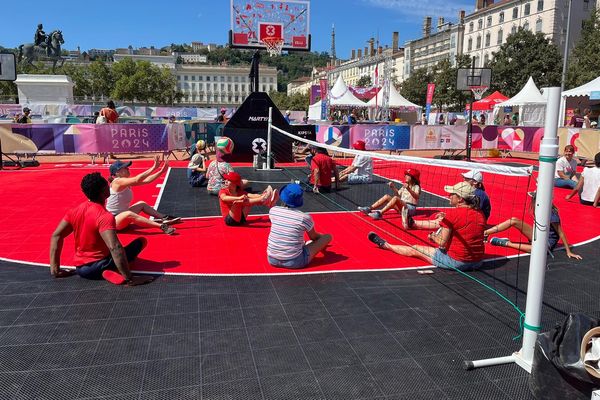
(584, 90)
(395, 101)
(341, 96)
(314, 111)
(531, 103)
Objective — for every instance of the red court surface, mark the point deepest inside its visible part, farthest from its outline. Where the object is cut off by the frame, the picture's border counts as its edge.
(35, 199)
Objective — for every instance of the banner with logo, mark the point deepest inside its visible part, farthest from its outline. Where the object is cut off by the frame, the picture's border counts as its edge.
(433, 137)
(585, 141)
(324, 87)
(382, 137)
(429, 100)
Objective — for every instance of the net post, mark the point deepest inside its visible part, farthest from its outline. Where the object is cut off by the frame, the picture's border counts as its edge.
(543, 209)
(269, 129)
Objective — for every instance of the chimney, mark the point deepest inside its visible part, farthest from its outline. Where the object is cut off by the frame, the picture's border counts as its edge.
(395, 40)
(426, 26)
(371, 47)
(479, 5)
(461, 17)
(359, 51)
(366, 53)
(379, 50)
(440, 24)
(353, 54)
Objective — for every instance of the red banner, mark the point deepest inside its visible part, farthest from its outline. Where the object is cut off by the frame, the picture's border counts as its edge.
(323, 83)
(430, 90)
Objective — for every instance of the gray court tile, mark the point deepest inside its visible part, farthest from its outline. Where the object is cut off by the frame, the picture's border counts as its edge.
(353, 382)
(265, 336)
(224, 341)
(317, 330)
(176, 345)
(172, 373)
(379, 348)
(110, 380)
(56, 384)
(333, 354)
(227, 367)
(291, 386)
(280, 360)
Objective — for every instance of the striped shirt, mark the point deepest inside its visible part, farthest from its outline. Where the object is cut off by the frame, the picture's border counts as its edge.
(286, 238)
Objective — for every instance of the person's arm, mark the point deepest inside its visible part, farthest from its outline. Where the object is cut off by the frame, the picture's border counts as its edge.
(562, 175)
(395, 190)
(313, 234)
(561, 234)
(316, 177)
(597, 198)
(139, 179)
(230, 199)
(336, 174)
(117, 252)
(413, 193)
(441, 238)
(154, 176)
(576, 189)
(63, 230)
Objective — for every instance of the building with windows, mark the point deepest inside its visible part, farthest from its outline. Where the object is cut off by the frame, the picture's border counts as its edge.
(493, 21)
(433, 47)
(216, 85)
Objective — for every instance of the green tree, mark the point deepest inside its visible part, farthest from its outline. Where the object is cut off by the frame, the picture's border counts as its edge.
(297, 101)
(525, 54)
(414, 88)
(141, 81)
(364, 81)
(583, 64)
(101, 79)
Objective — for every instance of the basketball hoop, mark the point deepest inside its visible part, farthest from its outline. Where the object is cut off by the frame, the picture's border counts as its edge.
(478, 91)
(274, 45)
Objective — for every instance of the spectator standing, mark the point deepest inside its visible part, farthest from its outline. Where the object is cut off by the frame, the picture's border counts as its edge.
(24, 119)
(576, 119)
(110, 113)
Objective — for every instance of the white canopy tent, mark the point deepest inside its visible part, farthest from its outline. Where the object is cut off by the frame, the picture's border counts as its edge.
(341, 96)
(583, 90)
(314, 111)
(531, 103)
(396, 100)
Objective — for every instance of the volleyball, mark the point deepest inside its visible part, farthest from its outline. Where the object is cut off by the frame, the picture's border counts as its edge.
(225, 145)
(200, 144)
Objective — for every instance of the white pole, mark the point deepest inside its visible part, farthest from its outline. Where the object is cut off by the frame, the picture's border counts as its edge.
(269, 138)
(539, 251)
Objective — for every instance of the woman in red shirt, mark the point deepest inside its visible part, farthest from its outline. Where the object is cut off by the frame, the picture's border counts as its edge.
(110, 113)
(460, 237)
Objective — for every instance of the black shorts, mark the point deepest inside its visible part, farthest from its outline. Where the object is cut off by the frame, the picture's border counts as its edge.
(229, 221)
(94, 269)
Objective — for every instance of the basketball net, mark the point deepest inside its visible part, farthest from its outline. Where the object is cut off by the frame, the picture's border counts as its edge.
(478, 91)
(274, 45)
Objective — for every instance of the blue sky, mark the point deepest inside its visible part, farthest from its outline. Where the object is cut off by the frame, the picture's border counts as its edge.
(143, 23)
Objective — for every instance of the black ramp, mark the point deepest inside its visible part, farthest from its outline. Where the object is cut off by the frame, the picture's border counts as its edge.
(180, 199)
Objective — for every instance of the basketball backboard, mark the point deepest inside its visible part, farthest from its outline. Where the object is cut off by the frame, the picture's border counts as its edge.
(468, 77)
(254, 20)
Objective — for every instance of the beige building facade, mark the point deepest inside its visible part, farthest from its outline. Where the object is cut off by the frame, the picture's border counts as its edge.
(493, 21)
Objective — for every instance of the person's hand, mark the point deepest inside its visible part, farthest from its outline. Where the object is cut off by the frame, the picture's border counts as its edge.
(568, 197)
(391, 185)
(139, 280)
(439, 216)
(63, 273)
(573, 255)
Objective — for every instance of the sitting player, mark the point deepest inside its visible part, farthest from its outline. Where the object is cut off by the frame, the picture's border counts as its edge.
(475, 179)
(554, 234)
(236, 203)
(404, 200)
(361, 169)
(286, 247)
(196, 169)
(322, 167)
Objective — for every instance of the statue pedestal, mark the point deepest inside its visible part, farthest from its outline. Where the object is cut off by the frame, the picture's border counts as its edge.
(44, 89)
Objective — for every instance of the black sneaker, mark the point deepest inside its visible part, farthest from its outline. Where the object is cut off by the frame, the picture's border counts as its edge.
(375, 238)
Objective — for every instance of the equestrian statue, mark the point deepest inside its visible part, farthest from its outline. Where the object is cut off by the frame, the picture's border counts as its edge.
(44, 47)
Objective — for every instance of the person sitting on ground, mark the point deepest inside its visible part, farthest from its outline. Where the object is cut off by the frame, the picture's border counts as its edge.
(98, 251)
(475, 178)
(236, 203)
(403, 200)
(121, 195)
(565, 175)
(286, 247)
(322, 167)
(219, 167)
(588, 186)
(555, 233)
(361, 169)
(459, 241)
(196, 169)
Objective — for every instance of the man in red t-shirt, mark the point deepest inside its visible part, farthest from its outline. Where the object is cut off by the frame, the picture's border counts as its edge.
(321, 169)
(98, 251)
(459, 238)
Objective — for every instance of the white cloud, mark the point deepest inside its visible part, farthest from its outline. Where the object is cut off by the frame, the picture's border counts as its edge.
(433, 8)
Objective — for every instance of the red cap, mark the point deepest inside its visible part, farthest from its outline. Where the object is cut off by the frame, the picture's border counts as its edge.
(416, 175)
(359, 145)
(233, 177)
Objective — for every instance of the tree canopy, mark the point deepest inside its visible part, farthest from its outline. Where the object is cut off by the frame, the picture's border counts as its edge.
(584, 64)
(525, 54)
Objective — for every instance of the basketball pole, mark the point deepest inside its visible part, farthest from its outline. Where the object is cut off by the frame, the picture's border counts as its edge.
(539, 250)
(269, 129)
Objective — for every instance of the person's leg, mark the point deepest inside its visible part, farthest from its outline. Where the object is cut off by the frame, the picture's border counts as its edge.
(520, 225)
(427, 224)
(127, 218)
(383, 200)
(422, 252)
(142, 206)
(565, 183)
(237, 209)
(133, 249)
(318, 245)
(394, 203)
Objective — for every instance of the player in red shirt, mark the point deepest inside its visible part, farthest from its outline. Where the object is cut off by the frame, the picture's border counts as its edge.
(98, 251)
(110, 113)
(459, 241)
(236, 203)
(321, 168)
